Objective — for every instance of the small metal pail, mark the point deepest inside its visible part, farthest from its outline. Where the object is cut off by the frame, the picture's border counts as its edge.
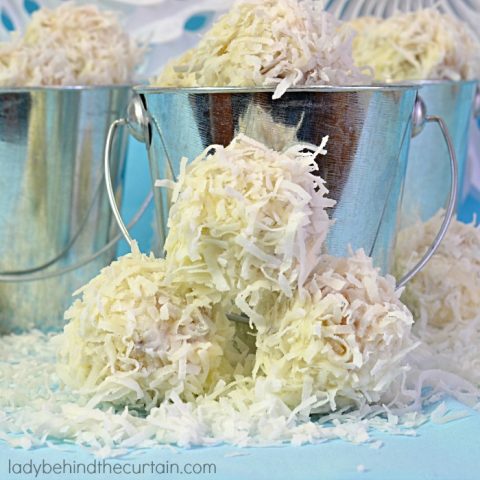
(428, 176)
(54, 211)
(369, 131)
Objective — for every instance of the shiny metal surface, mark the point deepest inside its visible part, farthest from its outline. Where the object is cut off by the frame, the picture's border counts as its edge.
(369, 129)
(53, 205)
(419, 116)
(476, 104)
(108, 177)
(428, 178)
(422, 119)
(138, 120)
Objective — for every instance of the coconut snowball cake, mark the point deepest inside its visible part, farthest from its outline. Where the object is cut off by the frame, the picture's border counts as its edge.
(421, 45)
(70, 45)
(248, 331)
(281, 43)
(444, 297)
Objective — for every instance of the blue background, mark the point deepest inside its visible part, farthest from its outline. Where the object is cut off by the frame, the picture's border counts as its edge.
(137, 186)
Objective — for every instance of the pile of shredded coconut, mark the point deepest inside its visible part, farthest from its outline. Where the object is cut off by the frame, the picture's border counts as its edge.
(279, 43)
(247, 222)
(420, 45)
(342, 341)
(70, 45)
(445, 296)
(133, 340)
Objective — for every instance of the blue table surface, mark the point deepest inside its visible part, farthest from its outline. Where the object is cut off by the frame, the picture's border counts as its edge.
(447, 452)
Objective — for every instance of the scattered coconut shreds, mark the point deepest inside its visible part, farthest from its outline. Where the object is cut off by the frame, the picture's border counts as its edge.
(236, 454)
(445, 296)
(279, 43)
(36, 410)
(247, 223)
(234, 413)
(70, 45)
(361, 468)
(420, 45)
(441, 415)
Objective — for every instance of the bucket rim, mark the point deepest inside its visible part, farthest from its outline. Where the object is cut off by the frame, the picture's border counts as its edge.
(149, 89)
(427, 83)
(66, 88)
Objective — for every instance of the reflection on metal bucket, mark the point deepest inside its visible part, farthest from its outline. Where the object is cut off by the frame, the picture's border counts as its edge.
(369, 130)
(428, 175)
(53, 205)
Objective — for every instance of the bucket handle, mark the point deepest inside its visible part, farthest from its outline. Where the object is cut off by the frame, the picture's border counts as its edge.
(28, 276)
(139, 126)
(420, 118)
(108, 178)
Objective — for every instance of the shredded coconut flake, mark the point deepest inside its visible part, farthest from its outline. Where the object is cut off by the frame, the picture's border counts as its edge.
(441, 416)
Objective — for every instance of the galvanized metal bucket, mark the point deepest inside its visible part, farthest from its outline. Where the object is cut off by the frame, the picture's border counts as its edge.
(428, 176)
(369, 129)
(55, 220)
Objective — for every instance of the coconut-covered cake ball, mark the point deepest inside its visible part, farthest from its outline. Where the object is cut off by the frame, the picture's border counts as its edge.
(280, 43)
(70, 45)
(420, 45)
(445, 296)
(132, 340)
(247, 222)
(446, 290)
(342, 341)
